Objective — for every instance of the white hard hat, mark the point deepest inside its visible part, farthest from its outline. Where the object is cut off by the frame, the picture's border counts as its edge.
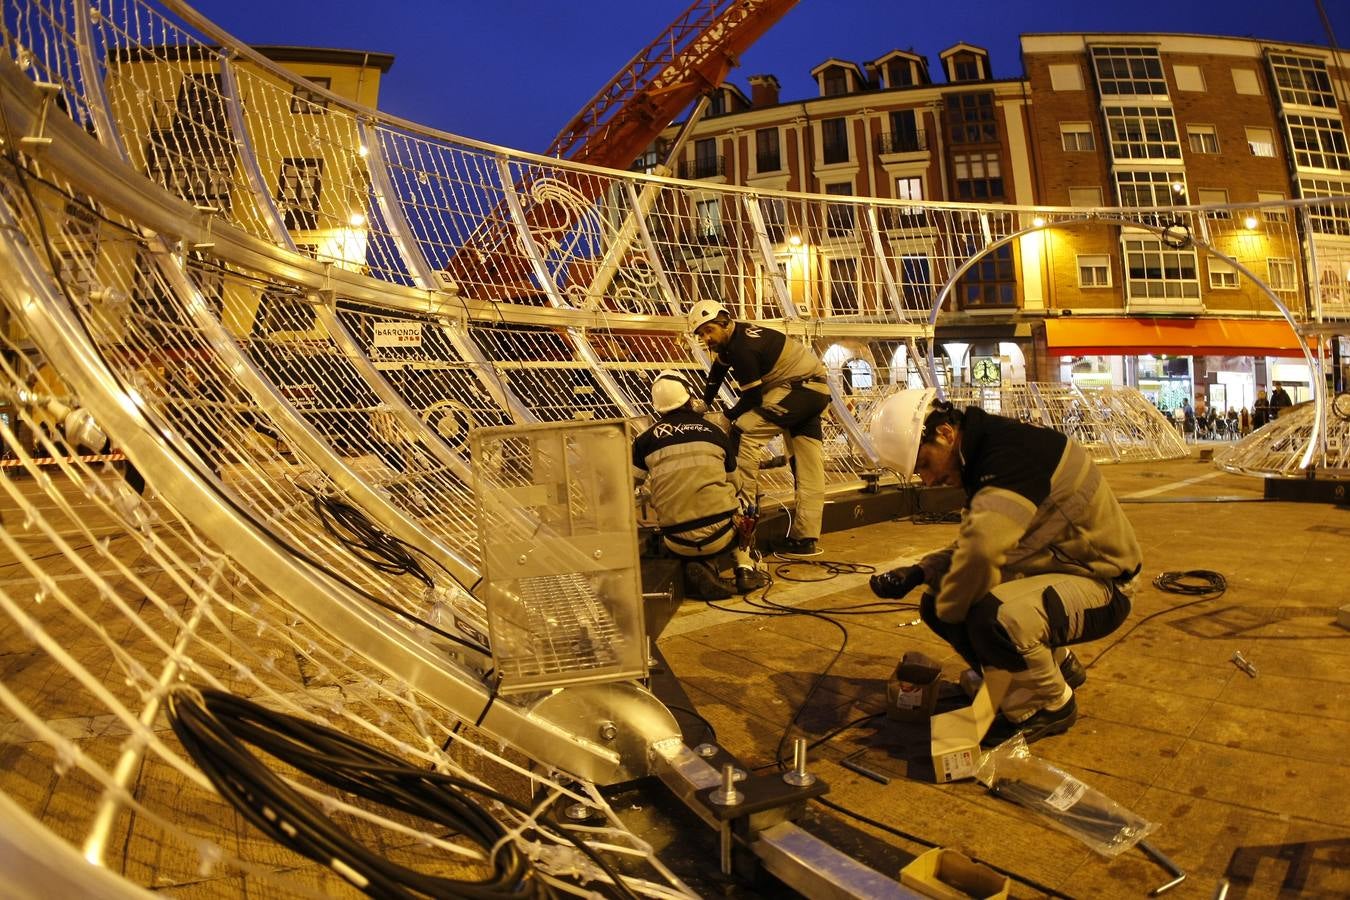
(705, 311)
(897, 427)
(670, 391)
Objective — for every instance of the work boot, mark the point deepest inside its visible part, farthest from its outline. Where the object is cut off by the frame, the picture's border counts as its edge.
(1072, 670)
(701, 582)
(748, 580)
(1042, 723)
(797, 548)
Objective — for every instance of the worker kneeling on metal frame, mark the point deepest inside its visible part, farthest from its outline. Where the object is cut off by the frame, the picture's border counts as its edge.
(688, 463)
(783, 390)
(1044, 558)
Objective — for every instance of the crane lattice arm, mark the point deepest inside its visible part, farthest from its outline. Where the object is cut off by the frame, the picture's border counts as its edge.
(690, 57)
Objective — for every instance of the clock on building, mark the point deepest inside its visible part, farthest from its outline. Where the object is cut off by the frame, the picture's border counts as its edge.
(986, 371)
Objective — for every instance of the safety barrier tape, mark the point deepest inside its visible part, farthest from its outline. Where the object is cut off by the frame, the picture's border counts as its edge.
(53, 460)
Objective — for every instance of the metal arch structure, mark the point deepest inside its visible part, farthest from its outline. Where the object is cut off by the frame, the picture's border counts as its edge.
(160, 248)
(1315, 446)
(693, 55)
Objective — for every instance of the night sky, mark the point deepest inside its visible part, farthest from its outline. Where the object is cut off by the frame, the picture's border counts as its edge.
(513, 72)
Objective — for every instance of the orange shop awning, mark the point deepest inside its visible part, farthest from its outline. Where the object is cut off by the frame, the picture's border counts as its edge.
(1129, 336)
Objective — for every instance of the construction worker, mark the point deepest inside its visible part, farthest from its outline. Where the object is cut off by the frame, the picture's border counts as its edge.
(688, 463)
(783, 390)
(1044, 557)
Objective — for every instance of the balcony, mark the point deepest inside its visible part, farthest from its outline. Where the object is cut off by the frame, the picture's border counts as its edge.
(902, 142)
(706, 167)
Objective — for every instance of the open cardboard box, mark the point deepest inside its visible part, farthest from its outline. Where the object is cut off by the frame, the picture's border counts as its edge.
(950, 875)
(955, 736)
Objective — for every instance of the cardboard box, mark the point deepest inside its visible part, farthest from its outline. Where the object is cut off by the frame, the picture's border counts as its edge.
(951, 875)
(955, 736)
(911, 694)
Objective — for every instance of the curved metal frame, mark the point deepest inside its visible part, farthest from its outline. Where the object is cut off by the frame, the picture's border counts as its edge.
(1094, 217)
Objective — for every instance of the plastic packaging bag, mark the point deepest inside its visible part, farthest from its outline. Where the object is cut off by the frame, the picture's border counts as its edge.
(1011, 772)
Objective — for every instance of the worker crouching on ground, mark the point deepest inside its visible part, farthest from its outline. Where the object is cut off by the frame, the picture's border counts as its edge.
(783, 390)
(688, 463)
(1044, 557)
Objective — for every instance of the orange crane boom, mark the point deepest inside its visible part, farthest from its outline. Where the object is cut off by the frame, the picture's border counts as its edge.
(692, 56)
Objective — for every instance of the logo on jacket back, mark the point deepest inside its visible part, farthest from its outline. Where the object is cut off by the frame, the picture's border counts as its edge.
(671, 429)
(753, 331)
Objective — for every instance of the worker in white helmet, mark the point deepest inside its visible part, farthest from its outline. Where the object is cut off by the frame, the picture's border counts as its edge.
(1044, 558)
(688, 463)
(783, 390)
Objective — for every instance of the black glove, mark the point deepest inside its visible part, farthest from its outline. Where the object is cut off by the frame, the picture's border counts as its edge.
(897, 583)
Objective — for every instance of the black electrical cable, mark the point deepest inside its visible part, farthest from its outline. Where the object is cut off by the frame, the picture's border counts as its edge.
(216, 730)
(352, 528)
(952, 517)
(709, 731)
(1205, 584)
(890, 829)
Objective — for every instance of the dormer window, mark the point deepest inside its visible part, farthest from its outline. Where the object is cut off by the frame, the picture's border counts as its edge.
(837, 77)
(966, 63)
(900, 74)
(717, 103)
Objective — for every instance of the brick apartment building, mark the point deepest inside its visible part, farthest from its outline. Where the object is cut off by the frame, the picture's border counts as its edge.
(1097, 120)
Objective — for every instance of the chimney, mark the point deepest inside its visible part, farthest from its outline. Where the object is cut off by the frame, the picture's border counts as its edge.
(763, 91)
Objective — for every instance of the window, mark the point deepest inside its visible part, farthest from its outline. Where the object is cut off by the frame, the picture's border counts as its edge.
(1222, 276)
(1076, 137)
(1217, 196)
(774, 211)
(909, 188)
(1202, 138)
(706, 161)
(843, 285)
(1088, 197)
(970, 118)
(201, 104)
(834, 141)
(1188, 78)
(1142, 132)
(203, 181)
(1094, 271)
(1246, 83)
(1150, 188)
(717, 103)
(305, 102)
(709, 216)
(1261, 141)
(1066, 78)
(1129, 72)
(282, 311)
(899, 74)
(1302, 81)
(905, 189)
(839, 216)
(766, 150)
(1156, 271)
(1318, 142)
(1281, 275)
(298, 187)
(965, 67)
(978, 176)
(1272, 215)
(991, 282)
(905, 136)
(1329, 219)
(836, 82)
(916, 281)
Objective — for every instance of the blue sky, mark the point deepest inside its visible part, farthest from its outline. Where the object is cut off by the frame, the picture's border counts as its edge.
(515, 71)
